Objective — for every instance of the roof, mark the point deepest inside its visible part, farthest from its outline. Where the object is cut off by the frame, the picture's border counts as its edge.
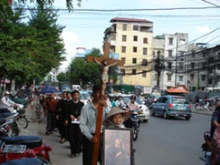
(118, 19)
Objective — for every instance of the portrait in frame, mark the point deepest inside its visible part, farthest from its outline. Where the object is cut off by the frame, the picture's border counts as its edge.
(118, 147)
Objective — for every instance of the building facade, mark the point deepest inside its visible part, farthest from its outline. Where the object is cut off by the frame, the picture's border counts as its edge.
(131, 39)
(203, 67)
(174, 60)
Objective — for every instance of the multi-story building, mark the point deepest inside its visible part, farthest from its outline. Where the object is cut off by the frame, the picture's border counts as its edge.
(203, 67)
(132, 40)
(158, 50)
(174, 60)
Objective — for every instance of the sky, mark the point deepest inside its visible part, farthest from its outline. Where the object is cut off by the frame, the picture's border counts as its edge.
(85, 29)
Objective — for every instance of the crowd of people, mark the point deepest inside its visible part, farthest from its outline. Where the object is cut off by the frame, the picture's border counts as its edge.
(77, 122)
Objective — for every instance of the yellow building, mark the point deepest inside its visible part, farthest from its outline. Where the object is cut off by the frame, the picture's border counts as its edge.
(132, 40)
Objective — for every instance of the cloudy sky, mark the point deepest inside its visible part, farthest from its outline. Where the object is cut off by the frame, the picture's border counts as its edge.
(85, 29)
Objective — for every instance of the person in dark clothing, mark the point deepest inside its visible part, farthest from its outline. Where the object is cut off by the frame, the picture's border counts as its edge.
(50, 112)
(60, 117)
(73, 117)
(215, 122)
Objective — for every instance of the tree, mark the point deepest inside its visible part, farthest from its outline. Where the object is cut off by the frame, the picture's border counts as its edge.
(69, 3)
(83, 72)
(51, 49)
(62, 76)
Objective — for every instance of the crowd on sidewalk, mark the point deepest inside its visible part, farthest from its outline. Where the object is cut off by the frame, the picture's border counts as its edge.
(77, 122)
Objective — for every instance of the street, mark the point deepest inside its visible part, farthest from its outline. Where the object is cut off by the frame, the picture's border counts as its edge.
(166, 142)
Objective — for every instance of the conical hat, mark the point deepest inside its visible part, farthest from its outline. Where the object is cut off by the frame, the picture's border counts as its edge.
(114, 111)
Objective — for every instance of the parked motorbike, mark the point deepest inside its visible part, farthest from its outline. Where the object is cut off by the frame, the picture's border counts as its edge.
(11, 122)
(31, 144)
(134, 123)
(27, 161)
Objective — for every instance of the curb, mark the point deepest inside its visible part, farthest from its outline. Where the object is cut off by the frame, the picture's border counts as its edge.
(202, 113)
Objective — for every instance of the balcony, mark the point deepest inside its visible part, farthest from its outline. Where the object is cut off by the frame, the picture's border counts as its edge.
(146, 29)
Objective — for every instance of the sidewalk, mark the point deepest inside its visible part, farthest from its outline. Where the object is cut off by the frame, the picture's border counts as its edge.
(60, 154)
(201, 111)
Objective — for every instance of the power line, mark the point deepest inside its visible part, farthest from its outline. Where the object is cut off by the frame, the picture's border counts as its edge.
(210, 3)
(122, 10)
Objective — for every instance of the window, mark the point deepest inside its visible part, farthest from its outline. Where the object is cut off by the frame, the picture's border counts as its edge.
(192, 65)
(180, 65)
(123, 59)
(135, 49)
(122, 71)
(169, 77)
(124, 38)
(123, 49)
(134, 71)
(218, 66)
(203, 65)
(210, 80)
(203, 77)
(180, 78)
(124, 27)
(181, 53)
(218, 78)
(134, 60)
(135, 27)
(144, 62)
(170, 53)
(203, 53)
(144, 51)
(170, 41)
(144, 73)
(113, 36)
(145, 41)
(169, 65)
(135, 38)
(193, 54)
(192, 76)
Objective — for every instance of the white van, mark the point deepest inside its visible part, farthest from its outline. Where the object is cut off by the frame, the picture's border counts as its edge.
(76, 87)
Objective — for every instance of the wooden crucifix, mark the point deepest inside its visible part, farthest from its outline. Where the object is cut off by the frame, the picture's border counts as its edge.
(106, 63)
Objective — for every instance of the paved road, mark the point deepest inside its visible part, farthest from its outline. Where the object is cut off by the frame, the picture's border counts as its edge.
(165, 142)
(171, 142)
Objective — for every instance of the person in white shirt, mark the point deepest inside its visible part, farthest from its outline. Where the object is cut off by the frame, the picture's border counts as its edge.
(106, 97)
(132, 105)
(120, 103)
(7, 103)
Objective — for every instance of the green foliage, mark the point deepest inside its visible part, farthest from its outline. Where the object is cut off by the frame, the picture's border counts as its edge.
(62, 76)
(69, 3)
(29, 50)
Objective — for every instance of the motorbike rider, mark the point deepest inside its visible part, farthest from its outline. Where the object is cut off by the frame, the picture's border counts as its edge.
(132, 105)
(7, 103)
(119, 102)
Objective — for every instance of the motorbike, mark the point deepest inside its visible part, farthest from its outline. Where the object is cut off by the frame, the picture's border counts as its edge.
(27, 161)
(134, 123)
(32, 145)
(11, 122)
(206, 147)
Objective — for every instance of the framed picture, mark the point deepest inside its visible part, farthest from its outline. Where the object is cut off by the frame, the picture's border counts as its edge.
(118, 147)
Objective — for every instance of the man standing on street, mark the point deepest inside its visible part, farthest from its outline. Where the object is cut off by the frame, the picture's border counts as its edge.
(73, 117)
(60, 117)
(215, 121)
(88, 125)
(50, 111)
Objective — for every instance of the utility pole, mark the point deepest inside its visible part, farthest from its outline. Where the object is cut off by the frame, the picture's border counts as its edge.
(158, 68)
(176, 59)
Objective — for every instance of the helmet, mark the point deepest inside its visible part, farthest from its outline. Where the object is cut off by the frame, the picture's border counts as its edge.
(133, 97)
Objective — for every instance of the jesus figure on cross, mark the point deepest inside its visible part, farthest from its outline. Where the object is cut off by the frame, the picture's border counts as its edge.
(105, 67)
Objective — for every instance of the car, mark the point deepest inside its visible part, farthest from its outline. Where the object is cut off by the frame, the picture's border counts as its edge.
(85, 97)
(172, 106)
(152, 98)
(144, 113)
